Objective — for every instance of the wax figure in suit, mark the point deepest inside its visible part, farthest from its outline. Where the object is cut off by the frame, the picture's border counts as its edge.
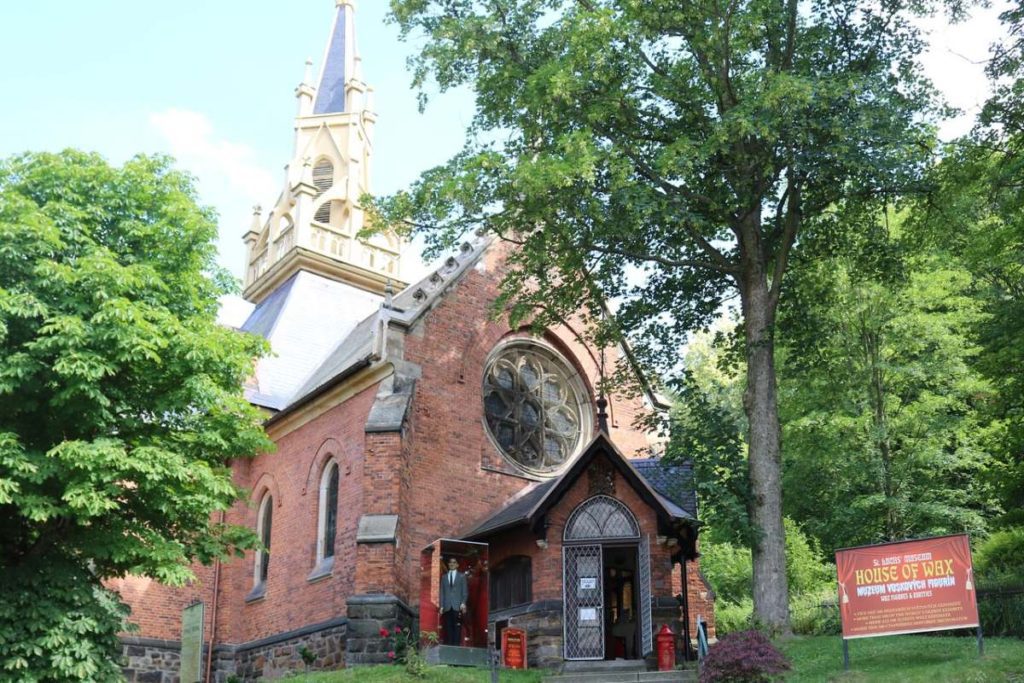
(454, 592)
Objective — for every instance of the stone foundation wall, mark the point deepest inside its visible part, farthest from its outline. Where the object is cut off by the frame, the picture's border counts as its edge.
(367, 615)
(274, 657)
(542, 622)
(147, 660)
(158, 661)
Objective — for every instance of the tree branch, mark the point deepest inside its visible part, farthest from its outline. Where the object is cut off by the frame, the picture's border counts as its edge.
(665, 261)
(793, 220)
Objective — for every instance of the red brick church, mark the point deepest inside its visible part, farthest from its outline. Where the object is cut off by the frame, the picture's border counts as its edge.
(412, 427)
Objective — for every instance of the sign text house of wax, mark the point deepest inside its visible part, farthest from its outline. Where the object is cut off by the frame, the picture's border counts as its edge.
(907, 587)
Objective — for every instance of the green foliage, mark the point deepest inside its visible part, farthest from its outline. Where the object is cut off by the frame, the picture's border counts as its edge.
(729, 570)
(880, 390)
(806, 569)
(667, 156)
(816, 613)
(977, 218)
(120, 399)
(731, 617)
(999, 559)
(57, 624)
(1002, 611)
(709, 427)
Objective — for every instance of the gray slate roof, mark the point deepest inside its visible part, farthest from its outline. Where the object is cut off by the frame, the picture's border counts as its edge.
(330, 95)
(304, 319)
(674, 482)
(531, 501)
(321, 330)
(516, 511)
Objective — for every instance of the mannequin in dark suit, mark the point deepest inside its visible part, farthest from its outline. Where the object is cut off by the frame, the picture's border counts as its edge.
(454, 593)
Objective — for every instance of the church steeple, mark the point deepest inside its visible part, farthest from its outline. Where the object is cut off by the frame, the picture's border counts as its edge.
(315, 223)
(339, 62)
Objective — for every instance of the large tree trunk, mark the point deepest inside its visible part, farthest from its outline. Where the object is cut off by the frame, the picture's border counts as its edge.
(771, 591)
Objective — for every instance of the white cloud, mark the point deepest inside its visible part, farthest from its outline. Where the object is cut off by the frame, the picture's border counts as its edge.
(955, 62)
(229, 176)
(192, 141)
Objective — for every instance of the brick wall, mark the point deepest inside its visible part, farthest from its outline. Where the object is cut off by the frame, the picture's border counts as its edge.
(455, 475)
(291, 599)
(441, 475)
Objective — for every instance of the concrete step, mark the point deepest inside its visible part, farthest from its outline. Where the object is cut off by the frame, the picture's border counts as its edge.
(605, 666)
(613, 676)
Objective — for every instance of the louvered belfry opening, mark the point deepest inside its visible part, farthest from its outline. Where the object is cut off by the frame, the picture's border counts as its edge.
(323, 179)
(323, 176)
(323, 214)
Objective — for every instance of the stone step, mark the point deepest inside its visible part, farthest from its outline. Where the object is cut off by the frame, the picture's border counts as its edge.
(613, 676)
(604, 666)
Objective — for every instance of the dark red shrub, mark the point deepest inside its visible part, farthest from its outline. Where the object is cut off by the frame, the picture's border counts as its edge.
(742, 657)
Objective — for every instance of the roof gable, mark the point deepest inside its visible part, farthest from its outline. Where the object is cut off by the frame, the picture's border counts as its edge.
(535, 502)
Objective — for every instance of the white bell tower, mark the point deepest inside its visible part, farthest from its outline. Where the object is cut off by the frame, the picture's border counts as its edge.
(314, 225)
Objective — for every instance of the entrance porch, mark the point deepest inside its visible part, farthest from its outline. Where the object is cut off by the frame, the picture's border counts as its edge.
(591, 564)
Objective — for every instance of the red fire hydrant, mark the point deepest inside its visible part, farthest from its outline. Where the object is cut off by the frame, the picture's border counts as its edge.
(666, 649)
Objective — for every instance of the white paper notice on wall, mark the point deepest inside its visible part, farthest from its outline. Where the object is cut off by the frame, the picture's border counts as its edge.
(588, 614)
(588, 583)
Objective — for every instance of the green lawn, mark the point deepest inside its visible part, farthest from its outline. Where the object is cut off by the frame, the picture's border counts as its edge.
(437, 674)
(901, 659)
(906, 659)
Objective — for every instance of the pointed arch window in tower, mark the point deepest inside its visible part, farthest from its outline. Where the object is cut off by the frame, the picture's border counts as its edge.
(323, 176)
(323, 214)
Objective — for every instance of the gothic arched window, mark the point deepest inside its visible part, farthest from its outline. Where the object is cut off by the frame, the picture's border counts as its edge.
(264, 521)
(328, 518)
(535, 406)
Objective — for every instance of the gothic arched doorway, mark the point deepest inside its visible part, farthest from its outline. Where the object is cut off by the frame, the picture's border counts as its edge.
(606, 572)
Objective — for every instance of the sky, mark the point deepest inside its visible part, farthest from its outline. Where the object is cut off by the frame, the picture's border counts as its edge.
(211, 82)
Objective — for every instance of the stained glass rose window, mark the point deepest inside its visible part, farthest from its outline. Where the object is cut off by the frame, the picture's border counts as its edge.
(534, 406)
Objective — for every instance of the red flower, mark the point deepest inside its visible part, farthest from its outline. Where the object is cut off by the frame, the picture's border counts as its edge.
(398, 629)
(391, 654)
(384, 633)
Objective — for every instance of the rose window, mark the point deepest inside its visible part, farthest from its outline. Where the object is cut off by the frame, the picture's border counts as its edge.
(533, 406)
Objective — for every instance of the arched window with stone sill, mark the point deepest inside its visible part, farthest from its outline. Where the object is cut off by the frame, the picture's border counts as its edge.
(261, 565)
(327, 520)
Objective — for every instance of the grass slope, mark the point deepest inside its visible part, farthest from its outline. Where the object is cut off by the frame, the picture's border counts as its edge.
(906, 659)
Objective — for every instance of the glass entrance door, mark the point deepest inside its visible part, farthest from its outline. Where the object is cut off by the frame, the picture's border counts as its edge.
(583, 602)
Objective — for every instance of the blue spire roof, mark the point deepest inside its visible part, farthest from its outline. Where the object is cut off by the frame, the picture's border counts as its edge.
(330, 95)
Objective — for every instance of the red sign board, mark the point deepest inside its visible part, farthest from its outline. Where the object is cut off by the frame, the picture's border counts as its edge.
(906, 587)
(513, 648)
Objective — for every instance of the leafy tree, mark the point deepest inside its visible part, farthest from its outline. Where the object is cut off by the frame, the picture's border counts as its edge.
(708, 428)
(977, 220)
(666, 155)
(880, 393)
(729, 570)
(120, 402)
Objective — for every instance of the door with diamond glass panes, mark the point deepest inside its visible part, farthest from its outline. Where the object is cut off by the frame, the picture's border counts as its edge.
(598, 522)
(584, 602)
